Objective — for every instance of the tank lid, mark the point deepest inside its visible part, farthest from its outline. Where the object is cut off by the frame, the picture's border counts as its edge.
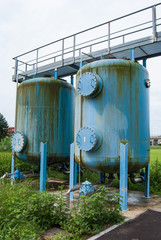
(87, 84)
(86, 139)
(18, 141)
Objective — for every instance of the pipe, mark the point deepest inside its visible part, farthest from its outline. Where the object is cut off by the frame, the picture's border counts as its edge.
(134, 180)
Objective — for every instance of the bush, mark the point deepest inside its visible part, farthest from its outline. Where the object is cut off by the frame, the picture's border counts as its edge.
(155, 176)
(91, 213)
(24, 213)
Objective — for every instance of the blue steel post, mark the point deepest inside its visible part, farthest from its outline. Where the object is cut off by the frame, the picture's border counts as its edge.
(56, 73)
(123, 175)
(12, 168)
(144, 62)
(75, 164)
(72, 168)
(132, 54)
(43, 166)
(147, 169)
(72, 79)
(147, 181)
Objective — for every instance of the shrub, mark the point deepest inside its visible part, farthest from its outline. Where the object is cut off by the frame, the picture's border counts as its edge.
(24, 213)
(155, 176)
(91, 213)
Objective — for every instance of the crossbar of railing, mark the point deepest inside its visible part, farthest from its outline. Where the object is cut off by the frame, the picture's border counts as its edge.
(87, 46)
(90, 41)
(116, 19)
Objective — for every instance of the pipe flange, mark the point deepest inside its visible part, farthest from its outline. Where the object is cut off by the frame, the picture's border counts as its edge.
(18, 141)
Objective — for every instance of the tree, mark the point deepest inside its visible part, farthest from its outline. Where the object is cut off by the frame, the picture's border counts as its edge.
(3, 127)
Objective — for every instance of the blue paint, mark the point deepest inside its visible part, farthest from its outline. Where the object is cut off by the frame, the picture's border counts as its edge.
(56, 74)
(72, 80)
(12, 168)
(147, 180)
(75, 173)
(144, 62)
(46, 118)
(132, 54)
(86, 189)
(37, 90)
(123, 175)
(18, 175)
(120, 112)
(43, 166)
(71, 179)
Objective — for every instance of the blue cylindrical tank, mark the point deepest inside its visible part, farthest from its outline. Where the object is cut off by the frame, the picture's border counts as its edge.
(112, 106)
(45, 113)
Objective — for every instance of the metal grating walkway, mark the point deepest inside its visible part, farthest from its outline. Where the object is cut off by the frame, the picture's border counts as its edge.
(115, 38)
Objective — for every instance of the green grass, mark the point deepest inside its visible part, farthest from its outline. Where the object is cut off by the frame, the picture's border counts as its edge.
(155, 154)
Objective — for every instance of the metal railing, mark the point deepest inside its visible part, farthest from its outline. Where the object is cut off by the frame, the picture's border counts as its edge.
(33, 59)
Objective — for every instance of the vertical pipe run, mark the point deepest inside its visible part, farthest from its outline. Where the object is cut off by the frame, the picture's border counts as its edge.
(123, 175)
(72, 79)
(43, 166)
(12, 167)
(154, 24)
(147, 169)
(132, 54)
(147, 180)
(144, 62)
(56, 73)
(71, 179)
(80, 117)
(13, 155)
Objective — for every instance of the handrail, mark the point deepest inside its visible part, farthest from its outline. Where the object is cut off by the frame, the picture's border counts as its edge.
(116, 19)
(60, 54)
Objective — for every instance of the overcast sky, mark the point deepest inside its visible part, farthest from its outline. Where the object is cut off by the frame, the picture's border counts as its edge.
(27, 24)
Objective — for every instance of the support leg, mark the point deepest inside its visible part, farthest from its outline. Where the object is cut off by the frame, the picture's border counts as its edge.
(72, 168)
(147, 180)
(12, 167)
(123, 175)
(102, 178)
(43, 166)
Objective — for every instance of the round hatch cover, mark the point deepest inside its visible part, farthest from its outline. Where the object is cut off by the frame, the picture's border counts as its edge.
(86, 139)
(18, 141)
(87, 84)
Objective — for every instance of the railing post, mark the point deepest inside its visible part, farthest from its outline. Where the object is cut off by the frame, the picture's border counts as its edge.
(74, 39)
(62, 52)
(37, 56)
(154, 24)
(109, 37)
(123, 39)
(16, 68)
(25, 67)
